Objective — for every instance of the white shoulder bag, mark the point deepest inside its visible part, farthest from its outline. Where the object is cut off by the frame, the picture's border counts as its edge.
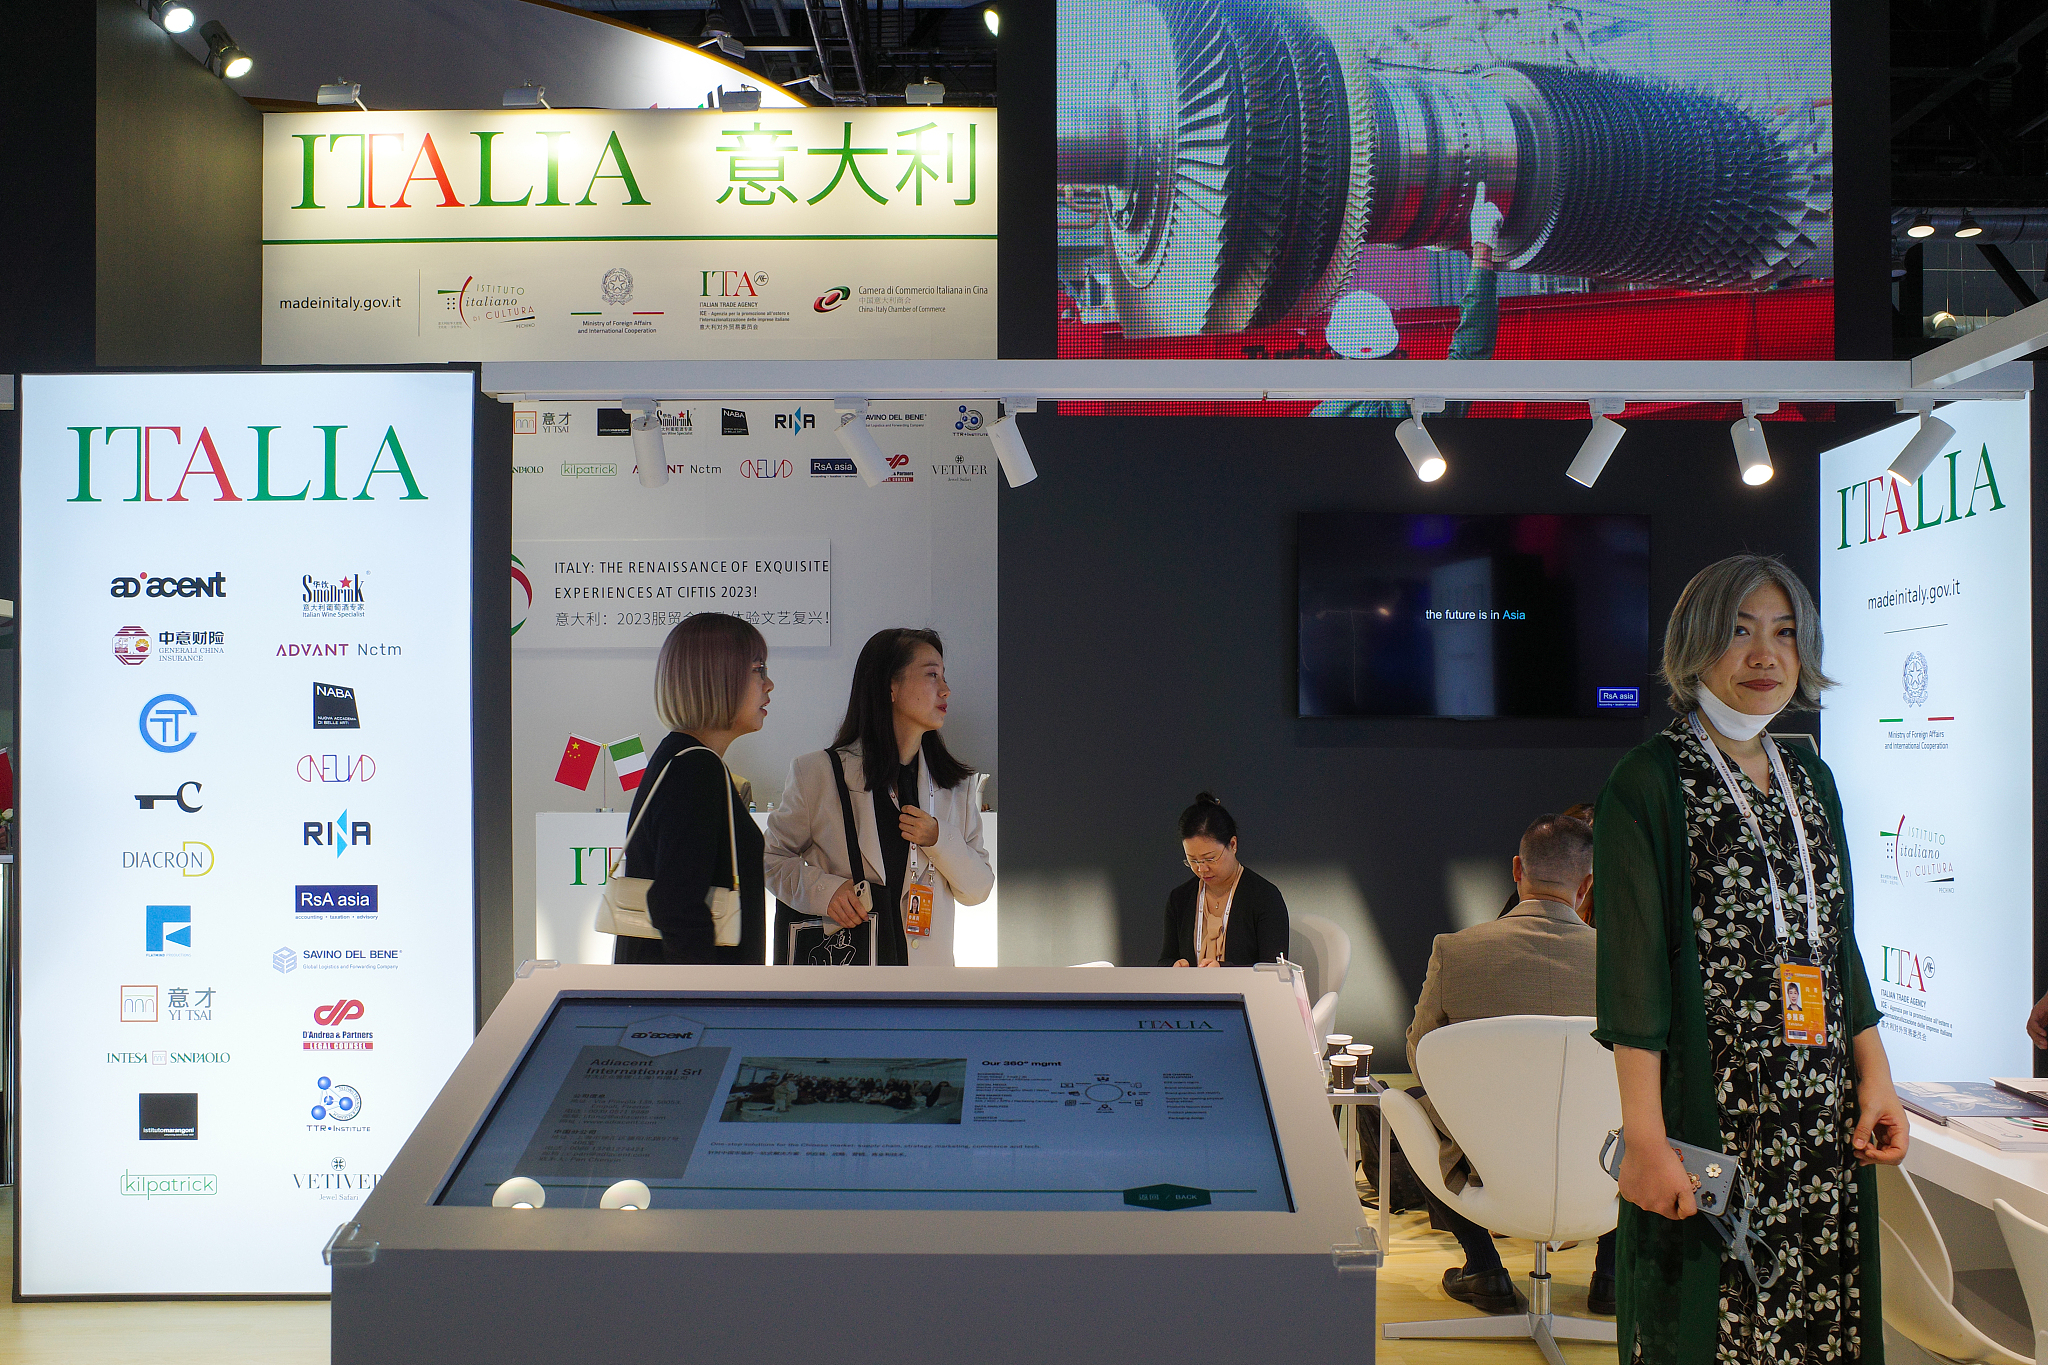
(623, 908)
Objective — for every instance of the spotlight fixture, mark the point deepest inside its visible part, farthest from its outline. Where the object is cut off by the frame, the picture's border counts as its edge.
(924, 92)
(858, 442)
(224, 56)
(1920, 452)
(716, 34)
(630, 1195)
(173, 16)
(1009, 442)
(1921, 226)
(1752, 454)
(745, 100)
(343, 92)
(520, 1192)
(1968, 227)
(993, 19)
(648, 451)
(1600, 442)
(1418, 444)
(527, 96)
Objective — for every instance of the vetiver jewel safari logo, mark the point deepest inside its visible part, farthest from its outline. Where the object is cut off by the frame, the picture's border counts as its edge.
(263, 458)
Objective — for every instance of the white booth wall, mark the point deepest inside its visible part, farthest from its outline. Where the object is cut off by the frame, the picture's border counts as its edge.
(919, 550)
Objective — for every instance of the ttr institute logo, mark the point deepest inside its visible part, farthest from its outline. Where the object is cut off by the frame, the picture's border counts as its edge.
(337, 1103)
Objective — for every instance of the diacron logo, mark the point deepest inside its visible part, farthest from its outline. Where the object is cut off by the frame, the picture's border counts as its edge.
(1903, 967)
(1875, 509)
(338, 164)
(335, 463)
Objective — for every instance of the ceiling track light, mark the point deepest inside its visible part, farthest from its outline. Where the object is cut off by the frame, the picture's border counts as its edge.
(1418, 444)
(1752, 453)
(1969, 227)
(224, 56)
(1599, 443)
(1009, 442)
(858, 442)
(172, 16)
(342, 92)
(527, 96)
(745, 100)
(1921, 227)
(1922, 450)
(648, 451)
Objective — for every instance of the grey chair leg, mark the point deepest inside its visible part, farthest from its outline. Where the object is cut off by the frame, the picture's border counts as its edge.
(1539, 1325)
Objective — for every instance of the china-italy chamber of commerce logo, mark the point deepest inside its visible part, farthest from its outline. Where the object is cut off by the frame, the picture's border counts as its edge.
(522, 594)
(831, 298)
(1915, 676)
(166, 723)
(617, 285)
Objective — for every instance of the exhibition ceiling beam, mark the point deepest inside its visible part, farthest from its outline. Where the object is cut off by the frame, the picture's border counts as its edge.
(1963, 80)
(1968, 191)
(1983, 355)
(1965, 375)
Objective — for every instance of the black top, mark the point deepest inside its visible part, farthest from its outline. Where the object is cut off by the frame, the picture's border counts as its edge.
(1258, 923)
(682, 846)
(895, 948)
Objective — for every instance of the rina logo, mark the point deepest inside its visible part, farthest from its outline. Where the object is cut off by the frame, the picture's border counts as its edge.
(479, 303)
(1917, 854)
(244, 464)
(1953, 489)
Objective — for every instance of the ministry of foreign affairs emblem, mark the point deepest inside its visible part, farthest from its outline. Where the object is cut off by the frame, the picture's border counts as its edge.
(1916, 679)
(618, 285)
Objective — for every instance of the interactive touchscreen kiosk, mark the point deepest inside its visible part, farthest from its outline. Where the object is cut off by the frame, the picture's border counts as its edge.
(867, 1164)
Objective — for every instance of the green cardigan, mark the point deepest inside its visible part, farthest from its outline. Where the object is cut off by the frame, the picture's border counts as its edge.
(1651, 997)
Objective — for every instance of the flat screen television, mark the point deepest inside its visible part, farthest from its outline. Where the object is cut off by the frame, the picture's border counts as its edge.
(1433, 614)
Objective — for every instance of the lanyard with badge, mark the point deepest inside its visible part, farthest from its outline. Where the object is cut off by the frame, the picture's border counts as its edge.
(1801, 982)
(917, 895)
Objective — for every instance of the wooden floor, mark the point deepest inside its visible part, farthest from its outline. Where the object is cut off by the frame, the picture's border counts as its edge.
(296, 1333)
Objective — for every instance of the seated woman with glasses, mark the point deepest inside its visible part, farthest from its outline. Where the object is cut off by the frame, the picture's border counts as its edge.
(1226, 915)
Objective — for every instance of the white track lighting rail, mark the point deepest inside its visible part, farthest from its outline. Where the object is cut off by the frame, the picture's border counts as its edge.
(1990, 375)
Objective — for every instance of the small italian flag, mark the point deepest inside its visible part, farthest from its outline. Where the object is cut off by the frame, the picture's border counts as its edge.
(629, 760)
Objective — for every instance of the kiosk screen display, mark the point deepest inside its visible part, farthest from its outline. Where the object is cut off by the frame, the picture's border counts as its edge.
(896, 1104)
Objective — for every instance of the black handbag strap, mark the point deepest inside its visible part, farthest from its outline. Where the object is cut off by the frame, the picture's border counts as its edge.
(854, 865)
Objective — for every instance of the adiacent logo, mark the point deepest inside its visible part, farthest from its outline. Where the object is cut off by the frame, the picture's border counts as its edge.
(170, 717)
(165, 927)
(142, 585)
(832, 298)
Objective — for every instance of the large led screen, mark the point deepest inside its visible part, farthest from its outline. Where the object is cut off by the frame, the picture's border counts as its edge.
(246, 824)
(1372, 179)
(895, 1104)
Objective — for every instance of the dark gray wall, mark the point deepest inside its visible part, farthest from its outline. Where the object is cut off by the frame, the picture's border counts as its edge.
(178, 263)
(1147, 599)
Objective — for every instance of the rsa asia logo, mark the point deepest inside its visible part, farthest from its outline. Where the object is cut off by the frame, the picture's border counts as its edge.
(264, 467)
(831, 298)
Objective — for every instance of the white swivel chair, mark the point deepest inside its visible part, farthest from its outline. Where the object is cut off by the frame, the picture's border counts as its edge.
(1531, 1098)
(1919, 1283)
(1324, 951)
(2027, 1241)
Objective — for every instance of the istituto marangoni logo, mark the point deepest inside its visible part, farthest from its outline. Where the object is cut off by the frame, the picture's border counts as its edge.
(1916, 679)
(617, 285)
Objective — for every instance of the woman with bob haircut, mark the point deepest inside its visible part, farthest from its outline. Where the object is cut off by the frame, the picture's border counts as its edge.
(710, 687)
(1721, 882)
(914, 811)
(1226, 915)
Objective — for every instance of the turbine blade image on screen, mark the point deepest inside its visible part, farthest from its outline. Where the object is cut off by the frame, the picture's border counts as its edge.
(1243, 152)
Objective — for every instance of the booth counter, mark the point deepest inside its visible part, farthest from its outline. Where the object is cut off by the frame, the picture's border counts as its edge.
(868, 1164)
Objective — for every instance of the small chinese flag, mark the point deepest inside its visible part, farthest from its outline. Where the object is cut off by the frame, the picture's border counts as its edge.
(577, 761)
(629, 760)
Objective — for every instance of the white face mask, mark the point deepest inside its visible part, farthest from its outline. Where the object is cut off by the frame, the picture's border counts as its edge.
(1739, 726)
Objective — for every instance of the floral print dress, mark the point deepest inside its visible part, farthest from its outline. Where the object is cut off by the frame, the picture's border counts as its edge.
(1787, 1111)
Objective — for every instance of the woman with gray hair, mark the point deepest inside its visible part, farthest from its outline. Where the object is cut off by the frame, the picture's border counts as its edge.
(1735, 999)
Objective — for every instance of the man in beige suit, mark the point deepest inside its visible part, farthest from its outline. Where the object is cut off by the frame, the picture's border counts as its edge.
(1536, 959)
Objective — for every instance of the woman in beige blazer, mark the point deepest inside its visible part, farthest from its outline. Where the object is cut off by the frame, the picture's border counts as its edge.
(915, 816)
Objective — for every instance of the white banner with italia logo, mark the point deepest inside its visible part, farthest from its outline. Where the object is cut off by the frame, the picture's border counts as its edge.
(1928, 620)
(245, 811)
(629, 234)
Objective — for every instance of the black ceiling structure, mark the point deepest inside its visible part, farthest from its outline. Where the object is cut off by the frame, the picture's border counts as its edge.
(826, 51)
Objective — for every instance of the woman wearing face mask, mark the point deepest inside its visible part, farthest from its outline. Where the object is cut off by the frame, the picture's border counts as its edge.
(1721, 879)
(710, 687)
(1226, 915)
(915, 817)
